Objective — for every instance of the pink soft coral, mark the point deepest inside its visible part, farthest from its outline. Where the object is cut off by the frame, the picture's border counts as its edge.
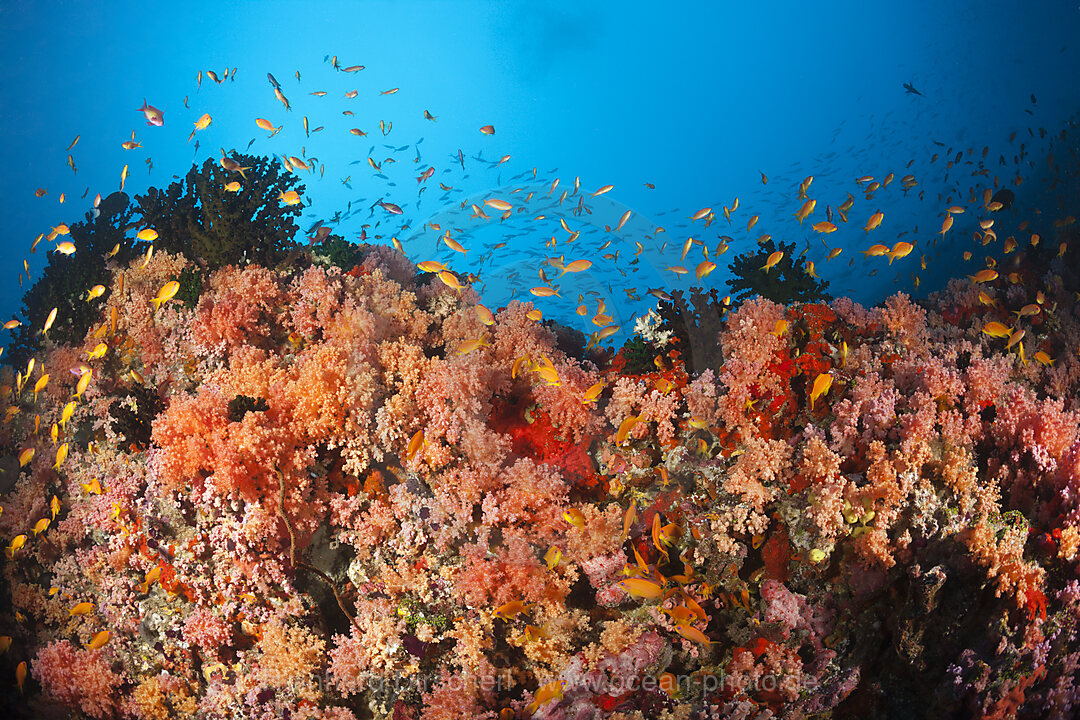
(238, 308)
(77, 677)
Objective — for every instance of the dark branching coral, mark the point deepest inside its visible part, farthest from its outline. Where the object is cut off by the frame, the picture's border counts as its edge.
(638, 356)
(213, 226)
(66, 279)
(241, 405)
(190, 287)
(133, 415)
(697, 328)
(785, 283)
(569, 340)
(336, 250)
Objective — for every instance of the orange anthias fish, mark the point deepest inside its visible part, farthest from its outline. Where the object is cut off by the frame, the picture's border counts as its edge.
(545, 694)
(625, 427)
(984, 275)
(946, 224)
(899, 250)
(576, 266)
(593, 393)
(805, 211)
(704, 268)
(168, 292)
(773, 260)
(82, 608)
(99, 640)
(575, 517)
(874, 221)
(822, 383)
(231, 165)
(997, 329)
(642, 589)
(201, 124)
(512, 609)
(693, 634)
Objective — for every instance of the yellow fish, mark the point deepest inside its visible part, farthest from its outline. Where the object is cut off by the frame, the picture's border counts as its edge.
(625, 427)
(899, 250)
(874, 221)
(773, 260)
(99, 640)
(996, 329)
(450, 280)
(167, 292)
(16, 544)
(67, 412)
(693, 634)
(470, 345)
(642, 589)
(575, 517)
(592, 393)
(805, 211)
(40, 384)
(148, 579)
(822, 383)
(512, 609)
(49, 321)
(485, 315)
(545, 694)
(576, 266)
(26, 456)
(61, 455)
(82, 608)
(84, 382)
(415, 444)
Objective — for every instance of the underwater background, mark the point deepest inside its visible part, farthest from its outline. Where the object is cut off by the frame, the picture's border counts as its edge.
(698, 102)
(514, 360)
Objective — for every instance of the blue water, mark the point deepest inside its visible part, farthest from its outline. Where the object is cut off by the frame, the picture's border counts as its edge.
(697, 99)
